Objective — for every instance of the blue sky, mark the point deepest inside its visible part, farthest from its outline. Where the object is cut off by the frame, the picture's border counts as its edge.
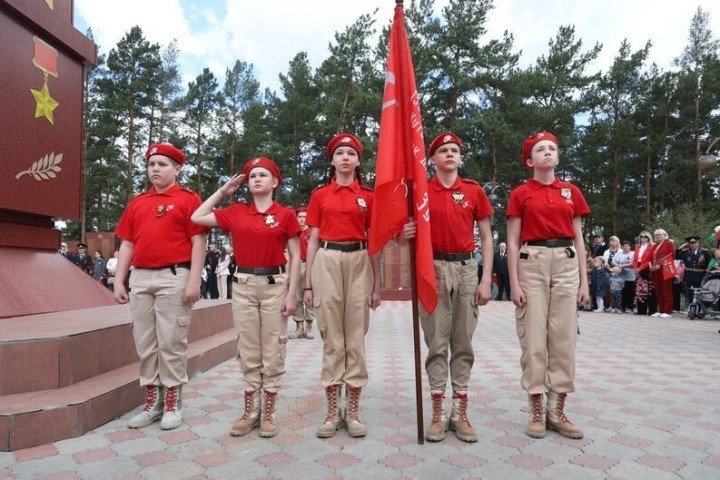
(268, 34)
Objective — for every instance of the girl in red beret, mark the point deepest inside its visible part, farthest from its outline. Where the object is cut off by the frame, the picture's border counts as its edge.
(262, 295)
(548, 279)
(342, 282)
(166, 251)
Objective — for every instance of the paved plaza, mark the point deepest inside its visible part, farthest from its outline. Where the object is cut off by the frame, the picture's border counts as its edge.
(648, 401)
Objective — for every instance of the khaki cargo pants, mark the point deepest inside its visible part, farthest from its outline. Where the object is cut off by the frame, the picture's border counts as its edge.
(547, 325)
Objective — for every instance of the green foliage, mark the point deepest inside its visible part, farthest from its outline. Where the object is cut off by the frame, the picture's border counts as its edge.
(630, 136)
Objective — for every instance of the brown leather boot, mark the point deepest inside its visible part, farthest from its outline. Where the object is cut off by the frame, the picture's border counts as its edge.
(299, 332)
(439, 423)
(308, 330)
(352, 412)
(333, 420)
(556, 416)
(268, 426)
(172, 416)
(459, 422)
(251, 418)
(153, 409)
(536, 424)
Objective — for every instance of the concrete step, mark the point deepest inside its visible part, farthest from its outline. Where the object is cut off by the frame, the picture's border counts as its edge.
(95, 377)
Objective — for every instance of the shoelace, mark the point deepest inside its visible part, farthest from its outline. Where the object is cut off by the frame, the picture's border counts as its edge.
(463, 409)
(332, 404)
(248, 404)
(151, 398)
(437, 408)
(170, 399)
(269, 404)
(354, 404)
(561, 408)
(537, 409)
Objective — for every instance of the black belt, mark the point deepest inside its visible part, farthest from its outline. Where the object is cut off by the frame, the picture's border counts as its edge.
(552, 243)
(260, 271)
(173, 268)
(453, 257)
(343, 247)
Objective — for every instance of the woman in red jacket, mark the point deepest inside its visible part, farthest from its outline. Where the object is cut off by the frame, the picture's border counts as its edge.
(645, 303)
(662, 250)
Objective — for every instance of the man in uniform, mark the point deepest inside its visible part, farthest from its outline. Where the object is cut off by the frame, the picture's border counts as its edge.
(83, 260)
(212, 258)
(500, 267)
(696, 262)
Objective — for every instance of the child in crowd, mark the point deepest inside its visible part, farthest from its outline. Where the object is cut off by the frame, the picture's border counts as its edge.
(599, 283)
(616, 289)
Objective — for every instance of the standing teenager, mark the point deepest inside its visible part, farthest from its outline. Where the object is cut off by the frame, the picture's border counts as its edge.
(457, 205)
(166, 251)
(548, 277)
(342, 282)
(303, 315)
(261, 229)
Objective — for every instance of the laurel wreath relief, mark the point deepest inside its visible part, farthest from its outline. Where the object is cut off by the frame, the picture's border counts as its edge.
(45, 168)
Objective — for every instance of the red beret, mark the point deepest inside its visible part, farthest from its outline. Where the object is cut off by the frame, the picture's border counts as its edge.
(532, 140)
(344, 139)
(166, 150)
(265, 163)
(441, 140)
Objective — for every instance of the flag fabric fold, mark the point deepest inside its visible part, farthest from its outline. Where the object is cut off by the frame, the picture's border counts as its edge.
(401, 157)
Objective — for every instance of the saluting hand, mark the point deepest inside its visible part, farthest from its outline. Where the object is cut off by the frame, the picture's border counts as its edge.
(232, 184)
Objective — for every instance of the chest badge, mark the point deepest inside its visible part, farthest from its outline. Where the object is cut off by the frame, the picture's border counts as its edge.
(361, 204)
(566, 194)
(162, 209)
(459, 198)
(271, 222)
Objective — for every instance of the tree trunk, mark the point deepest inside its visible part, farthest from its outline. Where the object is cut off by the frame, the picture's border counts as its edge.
(615, 193)
(131, 148)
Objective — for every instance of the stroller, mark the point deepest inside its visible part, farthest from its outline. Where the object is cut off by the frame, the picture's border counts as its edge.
(706, 297)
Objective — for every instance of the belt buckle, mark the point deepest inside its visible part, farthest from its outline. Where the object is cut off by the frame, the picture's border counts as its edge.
(552, 243)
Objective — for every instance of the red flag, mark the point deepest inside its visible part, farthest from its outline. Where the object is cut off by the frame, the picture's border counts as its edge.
(401, 157)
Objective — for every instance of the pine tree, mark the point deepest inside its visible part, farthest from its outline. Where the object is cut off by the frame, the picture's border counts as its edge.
(201, 104)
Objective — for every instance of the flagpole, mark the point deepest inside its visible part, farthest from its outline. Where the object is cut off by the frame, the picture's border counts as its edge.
(416, 317)
(413, 277)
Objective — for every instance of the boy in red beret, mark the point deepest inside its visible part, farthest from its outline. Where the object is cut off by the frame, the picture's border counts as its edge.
(548, 279)
(303, 315)
(456, 206)
(264, 292)
(166, 251)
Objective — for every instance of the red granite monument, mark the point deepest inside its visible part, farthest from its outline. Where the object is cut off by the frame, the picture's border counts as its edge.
(41, 178)
(67, 357)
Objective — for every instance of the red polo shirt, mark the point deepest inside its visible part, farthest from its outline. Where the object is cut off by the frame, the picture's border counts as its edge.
(159, 226)
(304, 241)
(453, 212)
(547, 211)
(258, 238)
(341, 212)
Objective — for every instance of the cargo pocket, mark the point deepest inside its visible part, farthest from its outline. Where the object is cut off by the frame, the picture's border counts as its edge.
(282, 352)
(180, 334)
(320, 325)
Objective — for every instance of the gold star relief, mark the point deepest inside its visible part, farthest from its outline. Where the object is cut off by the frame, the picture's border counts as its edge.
(50, 4)
(45, 103)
